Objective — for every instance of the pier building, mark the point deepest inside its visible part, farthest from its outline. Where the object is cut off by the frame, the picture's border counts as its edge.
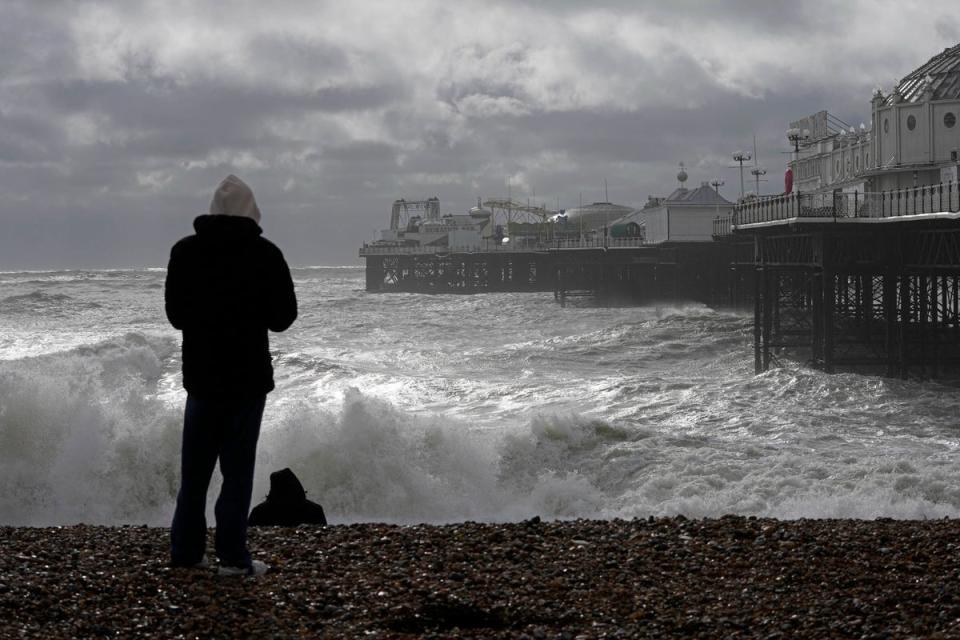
(686, 215)
(911, 139)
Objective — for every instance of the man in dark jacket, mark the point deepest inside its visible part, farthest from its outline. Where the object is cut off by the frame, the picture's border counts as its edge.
(226, 286)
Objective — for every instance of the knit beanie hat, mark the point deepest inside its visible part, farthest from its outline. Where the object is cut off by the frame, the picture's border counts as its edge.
(234, 198)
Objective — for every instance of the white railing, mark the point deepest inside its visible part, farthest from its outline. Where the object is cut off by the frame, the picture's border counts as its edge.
(594, 243)
(897, 203)
(598, 243)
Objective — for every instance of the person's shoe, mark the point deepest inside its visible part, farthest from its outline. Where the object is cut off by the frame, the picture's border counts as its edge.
(256, 568)
(204, 563)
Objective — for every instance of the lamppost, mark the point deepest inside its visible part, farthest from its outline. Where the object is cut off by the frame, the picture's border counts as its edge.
(716, 183)
(796, 136)
(741, 157)
(757, 172)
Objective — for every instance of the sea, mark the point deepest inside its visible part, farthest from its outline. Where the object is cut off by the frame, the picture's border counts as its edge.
(497, 407)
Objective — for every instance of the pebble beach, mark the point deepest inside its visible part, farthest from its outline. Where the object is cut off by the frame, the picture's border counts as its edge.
(731, 577)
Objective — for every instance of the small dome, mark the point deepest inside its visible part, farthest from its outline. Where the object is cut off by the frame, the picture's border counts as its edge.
(594, 216)
(682, 175)
(480, 212)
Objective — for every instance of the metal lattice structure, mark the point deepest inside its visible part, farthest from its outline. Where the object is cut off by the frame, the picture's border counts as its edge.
(884, 298)
(403, 210)
(460, 272)
(515, 218)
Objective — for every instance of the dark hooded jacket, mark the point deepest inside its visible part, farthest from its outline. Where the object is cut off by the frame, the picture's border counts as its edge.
(286, 504)
(226, 286)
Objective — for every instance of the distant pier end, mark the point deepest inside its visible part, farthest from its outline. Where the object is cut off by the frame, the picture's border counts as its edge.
(639, 273)
(423, 270)
(663, 251)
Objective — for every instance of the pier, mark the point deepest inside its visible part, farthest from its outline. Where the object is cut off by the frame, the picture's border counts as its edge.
(618, 270)
(865, 282)
(856, 266)
(855, 281)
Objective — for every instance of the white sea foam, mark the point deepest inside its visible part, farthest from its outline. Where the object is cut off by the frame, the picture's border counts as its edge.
(373, 462)
(83, 437)
(443, 408)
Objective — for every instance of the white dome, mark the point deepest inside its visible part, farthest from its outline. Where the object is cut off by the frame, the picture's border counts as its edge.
(594, 216)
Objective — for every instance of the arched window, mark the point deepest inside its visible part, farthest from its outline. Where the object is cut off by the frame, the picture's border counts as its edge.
(911, 123)
(886, 125)
(949, 120)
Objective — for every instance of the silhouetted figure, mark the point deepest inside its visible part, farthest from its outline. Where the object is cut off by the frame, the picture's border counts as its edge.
(286, 504)
(226, 286)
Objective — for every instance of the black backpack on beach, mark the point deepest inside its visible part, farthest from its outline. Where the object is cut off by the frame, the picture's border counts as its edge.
(286, 504)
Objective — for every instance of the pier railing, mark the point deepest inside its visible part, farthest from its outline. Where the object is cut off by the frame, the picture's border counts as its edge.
(936, 198)
(723, 225)
(598, 243)
(586, 243)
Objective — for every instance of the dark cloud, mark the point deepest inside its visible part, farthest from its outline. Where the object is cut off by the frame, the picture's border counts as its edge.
(117, 119)
(33, 41)
(775, 16)
(159, 103)
(292, 54)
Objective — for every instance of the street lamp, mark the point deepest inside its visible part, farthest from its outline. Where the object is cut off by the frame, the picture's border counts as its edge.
(796, 136)
(741, 157)
(757, 172)
(716, 183)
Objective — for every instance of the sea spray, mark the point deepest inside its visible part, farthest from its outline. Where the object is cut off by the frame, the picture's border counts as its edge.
(371, 461)
(83, 437)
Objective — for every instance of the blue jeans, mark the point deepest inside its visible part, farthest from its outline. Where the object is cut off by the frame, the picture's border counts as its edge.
(214, 429)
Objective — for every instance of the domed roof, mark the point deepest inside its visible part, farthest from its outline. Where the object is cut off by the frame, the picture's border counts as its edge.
(596, 215)
(941, 73)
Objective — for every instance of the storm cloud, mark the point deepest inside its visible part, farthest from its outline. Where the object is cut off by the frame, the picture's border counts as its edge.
(118, 118)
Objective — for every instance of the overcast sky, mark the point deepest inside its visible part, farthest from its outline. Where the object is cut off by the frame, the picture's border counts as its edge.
(117, 119)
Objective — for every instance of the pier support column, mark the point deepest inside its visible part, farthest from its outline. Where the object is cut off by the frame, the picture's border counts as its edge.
(866, 292)
(904, 332)
(816, 318)
(758, 280)
(829, 304)
(890, 320)
(374, 273)
(769, 304)
(923, 324)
